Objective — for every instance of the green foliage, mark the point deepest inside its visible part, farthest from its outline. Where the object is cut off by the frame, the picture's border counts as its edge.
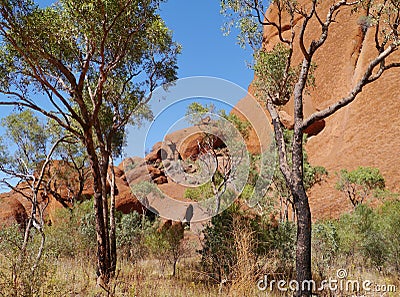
(143, 189)
(196, 112)
(63, 239)
(166, 244)
(274, 77)
(313, 174)
(243, 126)
(367, 238)
(273, 80)
(325, 243)
(204, 191)
(361, 237)
(17, 277)
(135, 31)
(89, 63)
(247, 192)
(29, 140)
(200, 193)
(26, 142)
(241, 16)
(284, 239)
(389, 225)
(219, 255)
(360, 183)
(131, 232)
(87, 227)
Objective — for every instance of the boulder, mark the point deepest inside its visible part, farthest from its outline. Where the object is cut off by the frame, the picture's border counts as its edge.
(136, 170)
(126, 202)
(160, 180)
(12, 211)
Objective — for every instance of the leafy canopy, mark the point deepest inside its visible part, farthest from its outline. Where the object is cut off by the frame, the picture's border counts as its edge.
(94, 61)
(25, 144)
(360, 183)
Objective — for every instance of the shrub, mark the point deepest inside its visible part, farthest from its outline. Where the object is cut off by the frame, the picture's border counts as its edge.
(166, 244)
(18, 278)
(389, 225)
(369, 237)
(325, 243)
(270, 241)
(131, 231)
(360, 183)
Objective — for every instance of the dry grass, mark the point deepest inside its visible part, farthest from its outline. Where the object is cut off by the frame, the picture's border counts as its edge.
(76, 277)
(245, 274)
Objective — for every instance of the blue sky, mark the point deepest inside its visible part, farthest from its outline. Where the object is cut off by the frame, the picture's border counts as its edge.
(196, 25)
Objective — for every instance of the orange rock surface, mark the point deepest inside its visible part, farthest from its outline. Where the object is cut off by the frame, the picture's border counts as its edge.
(366, 132)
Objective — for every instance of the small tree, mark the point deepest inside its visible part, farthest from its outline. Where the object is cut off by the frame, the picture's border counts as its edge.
(359, 184)
(167, 243)
(24, 159)
(222, 152)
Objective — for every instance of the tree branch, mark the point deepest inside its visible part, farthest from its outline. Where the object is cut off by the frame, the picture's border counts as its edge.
(279, 138)
(366, 79)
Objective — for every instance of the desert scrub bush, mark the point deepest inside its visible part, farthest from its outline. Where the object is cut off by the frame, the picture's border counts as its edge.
(86, 224)
(199, 193)
(64, 238)
(218, 252)
(75, 233)
(360, 184)
(166, 244)
(389, 225)
(131, 232)
(361, 238)
(271, 242)
(283, 240)
(325, 243)
(365, 238)
(20, 273)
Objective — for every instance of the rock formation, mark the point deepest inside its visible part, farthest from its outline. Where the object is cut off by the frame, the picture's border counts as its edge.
(365, 133)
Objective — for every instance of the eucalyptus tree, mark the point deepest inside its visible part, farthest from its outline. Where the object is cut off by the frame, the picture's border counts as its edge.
(26, 153)
(278, 79)
(87, 65)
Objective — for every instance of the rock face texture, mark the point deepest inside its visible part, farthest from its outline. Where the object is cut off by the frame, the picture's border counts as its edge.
(12, 211)
(14, 208)
(366, 132)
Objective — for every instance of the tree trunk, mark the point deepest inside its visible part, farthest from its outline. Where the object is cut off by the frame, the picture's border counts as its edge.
(303, 245)
(174, 268)
(104, 172)
(103, 264)
(113, 242)
(300, 199)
